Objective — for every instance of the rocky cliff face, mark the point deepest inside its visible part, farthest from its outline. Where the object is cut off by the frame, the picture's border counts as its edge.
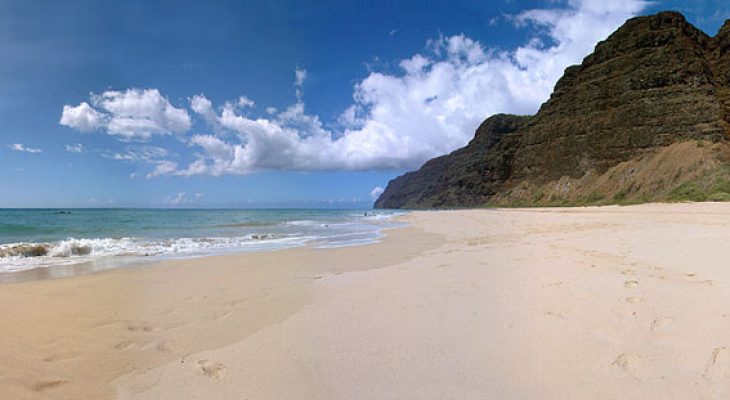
(653, 84)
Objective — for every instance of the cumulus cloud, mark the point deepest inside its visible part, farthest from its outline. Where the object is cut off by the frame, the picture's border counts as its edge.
(204, 107)
(430, 107)
(132, 114)
(292, 141)
(163, 168)
(376, 192)
(398, 121)
(82, 117)
(21, 148)
(75, 148)
(244, 101)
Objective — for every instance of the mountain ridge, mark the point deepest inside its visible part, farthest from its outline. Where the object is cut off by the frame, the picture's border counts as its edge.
(655, 83)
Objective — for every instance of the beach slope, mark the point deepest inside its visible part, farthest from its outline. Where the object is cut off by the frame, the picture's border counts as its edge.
(607, 303)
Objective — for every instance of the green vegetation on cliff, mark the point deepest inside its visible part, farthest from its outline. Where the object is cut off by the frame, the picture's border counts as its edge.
(646, 117)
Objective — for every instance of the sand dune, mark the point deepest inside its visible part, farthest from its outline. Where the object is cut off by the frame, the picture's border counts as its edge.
(610, 303)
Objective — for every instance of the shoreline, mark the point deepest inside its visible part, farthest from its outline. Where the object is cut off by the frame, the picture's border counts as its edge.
(607, 303)
(91, 240)
(73, 336)
(109, 263)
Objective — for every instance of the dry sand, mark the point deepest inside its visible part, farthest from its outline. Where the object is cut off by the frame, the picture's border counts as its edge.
(606, 303)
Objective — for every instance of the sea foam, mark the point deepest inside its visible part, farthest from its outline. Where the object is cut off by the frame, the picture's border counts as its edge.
(322, 229)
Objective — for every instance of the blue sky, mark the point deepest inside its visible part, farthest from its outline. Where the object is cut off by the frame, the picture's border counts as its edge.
(270, 104)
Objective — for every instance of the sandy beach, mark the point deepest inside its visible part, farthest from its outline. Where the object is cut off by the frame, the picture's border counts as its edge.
(598, 302)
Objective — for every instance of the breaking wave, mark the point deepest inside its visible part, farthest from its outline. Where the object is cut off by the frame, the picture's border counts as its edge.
(19, 256)
(128, 236)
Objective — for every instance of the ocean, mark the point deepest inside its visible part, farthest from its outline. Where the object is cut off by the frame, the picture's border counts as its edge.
(109, 238)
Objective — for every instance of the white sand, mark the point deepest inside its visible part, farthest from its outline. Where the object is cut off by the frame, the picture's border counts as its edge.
(607, 303)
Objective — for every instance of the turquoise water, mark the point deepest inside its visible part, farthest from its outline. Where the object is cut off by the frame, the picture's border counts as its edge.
(38, 238)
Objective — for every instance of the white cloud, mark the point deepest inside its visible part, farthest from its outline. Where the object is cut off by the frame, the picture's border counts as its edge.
(180, 199)
(21, 148)
(176, 200)
(431, 108)
(244, 101)
(376, 192)
(396, 121)
(82, 117)
(264, 144)
(133, 114)
(142, 154)
(151, 155)
(75, 148)
(204, 107)
(163, 168)
(300, 75)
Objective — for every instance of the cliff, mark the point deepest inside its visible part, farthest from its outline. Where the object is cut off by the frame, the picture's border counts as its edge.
(643, 118)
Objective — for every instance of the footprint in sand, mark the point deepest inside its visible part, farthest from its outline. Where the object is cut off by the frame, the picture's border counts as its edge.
(561, 314)
(659, 323)
(712, 362)
(629, 362)
(628, 272)
(46, 385)
(164, 347)
(125, 345)
(690, 274)
(212, 369)
(139, 326)
(624, 312)
(54, 358)
(634, 299)
(631, 283)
